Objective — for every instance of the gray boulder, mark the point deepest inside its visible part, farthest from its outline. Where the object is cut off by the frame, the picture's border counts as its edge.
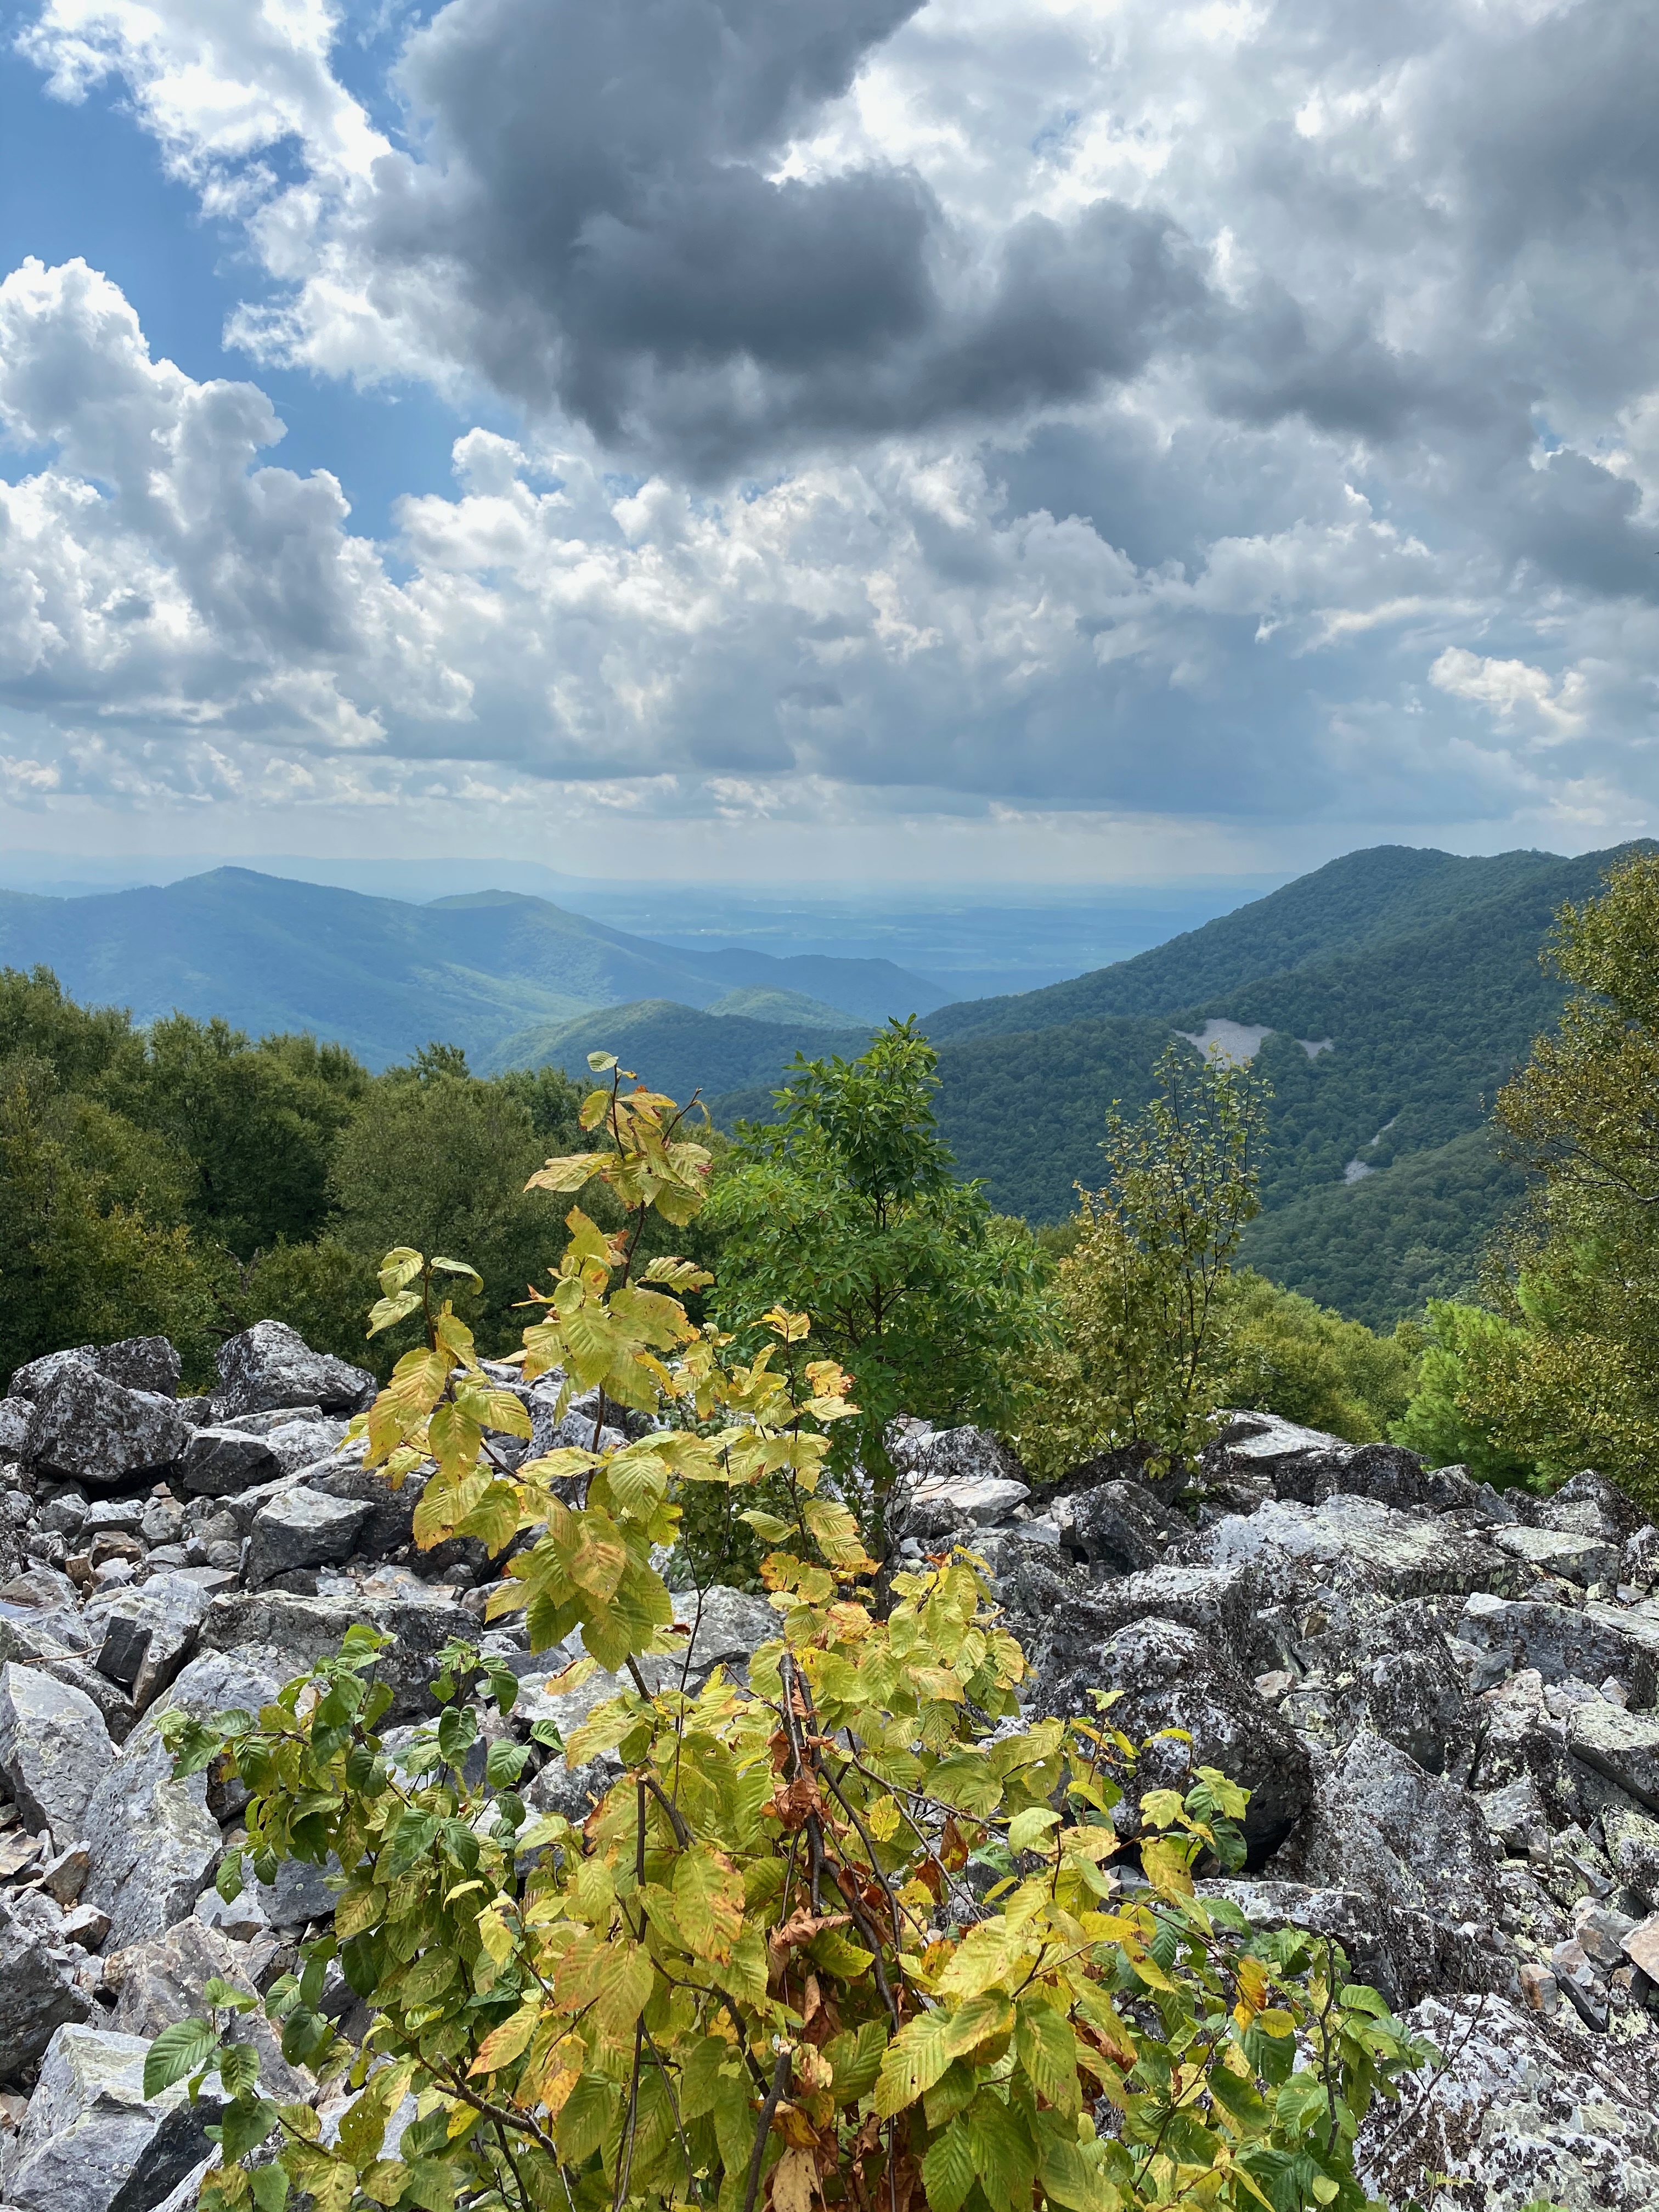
(29, 1380)
(271, 1365)
(389, 1523)
(161, 1981)
(726, 1625)
(1517, 2111)
(1119, 1527)
(955, 1478)
(419, 1618)
(54, 1749)
(1571, 1555)
(149, 1631)
(1520, 1741)
(141, 1363)
(1623, 1746)
(89, 1428)
(1394, 1675)
(26, 1642)
(1064, 1628)
(302, 1528)
(1591, 1505)
(219, 1462)
(1355, 1541)
(39, 1992)
(152, 1841)
(15, 1416)
(1380, 1824)
(1392, 1948)
(1174, 1677)
(1563, 1642)
(1631, 1835)
(1387, 1474)
(92, 2141)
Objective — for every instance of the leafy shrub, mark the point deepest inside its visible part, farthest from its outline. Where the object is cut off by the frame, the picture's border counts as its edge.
(1283, 1354)
(847, 1933)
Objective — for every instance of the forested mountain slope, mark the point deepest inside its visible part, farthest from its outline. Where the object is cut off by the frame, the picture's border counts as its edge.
(381, 976)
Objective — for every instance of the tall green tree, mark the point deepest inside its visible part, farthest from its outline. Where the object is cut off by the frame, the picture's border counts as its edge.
(1138, 1301)
(849, 1204)
(1574, 1381)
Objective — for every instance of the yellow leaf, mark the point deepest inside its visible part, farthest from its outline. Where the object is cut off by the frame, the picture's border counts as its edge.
(794, 2181)
(708, 1901)
(508, 2041)
(570, 1173)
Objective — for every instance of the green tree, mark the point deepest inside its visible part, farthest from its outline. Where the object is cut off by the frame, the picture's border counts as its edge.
(1137, 1302)
(847, 1203)
(258, 1124)
(1441, 1422)
(92, 1244)
(1278, 1352)
(1574, 1381)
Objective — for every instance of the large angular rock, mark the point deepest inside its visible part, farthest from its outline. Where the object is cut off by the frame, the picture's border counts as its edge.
(148, 1633)
(29, 1380)
(220, 1462)
(1063, 1628)
(92, 2141)
(1631, 1835)
(1521, 1741)
(390, 1524)
(141, 1363)
(1564, 1643)
(1591, 1505)
(956, 1478)
(302, 1528)
(1350, 1555)
(1380, 1824)
(1174, 1677)
(1394, 1675)
(1517, 2111)
(726, 1627)
(1623, 1746)
(420, 1620)
(54, 1749)
(1575, 1557)
(23, 1642)
(88, 1429)
(153, 1843)
(1269, 1442)
(37, 1992)
(1119, 1527)
(1392, 1948)
(271, 1365)
(161, 1981)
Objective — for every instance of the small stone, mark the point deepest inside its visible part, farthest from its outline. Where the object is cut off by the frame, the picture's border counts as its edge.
(64, 1875)
(1583, 1987)
(1540, 1990)
(86, 1927)
(1273, 1684)
(1601, 1932)
(1640, 1946)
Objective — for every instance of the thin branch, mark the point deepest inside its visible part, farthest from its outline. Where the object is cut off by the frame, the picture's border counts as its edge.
(763, 2126)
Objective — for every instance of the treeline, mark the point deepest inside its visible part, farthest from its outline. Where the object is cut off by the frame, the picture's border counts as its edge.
(186, 1181)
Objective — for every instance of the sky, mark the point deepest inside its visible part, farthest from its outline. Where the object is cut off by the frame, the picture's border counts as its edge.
(768, 441)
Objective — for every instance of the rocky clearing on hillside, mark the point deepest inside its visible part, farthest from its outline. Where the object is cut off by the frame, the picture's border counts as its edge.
(1441, 1698)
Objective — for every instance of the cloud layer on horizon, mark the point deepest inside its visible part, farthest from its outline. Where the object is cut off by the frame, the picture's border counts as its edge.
(1242, 412)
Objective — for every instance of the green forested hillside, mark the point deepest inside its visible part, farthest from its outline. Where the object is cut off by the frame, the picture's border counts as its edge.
(382, 977)
(1361, 900)
(678, 1049)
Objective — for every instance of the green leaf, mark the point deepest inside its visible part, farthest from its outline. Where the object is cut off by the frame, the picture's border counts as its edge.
(947, 2171)
(1047, 2049)
(1027, 1830)
(602, 1062)
(270, 2185)
(913, 2062)
(856, 2056)
(247, 2121)
(183, 2048)
(1003, 2155)
(505, 1763)
(622, 1986)
(218, 1995)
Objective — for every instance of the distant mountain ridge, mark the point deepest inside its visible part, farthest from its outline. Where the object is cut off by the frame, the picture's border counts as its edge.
(384, 976)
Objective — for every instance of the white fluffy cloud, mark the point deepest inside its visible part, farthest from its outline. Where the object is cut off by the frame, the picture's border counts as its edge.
(1240, 413)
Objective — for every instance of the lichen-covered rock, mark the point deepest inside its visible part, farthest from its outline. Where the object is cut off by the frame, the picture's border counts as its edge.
(162, 1980)
(39, 1992)
(420, 1620)
(1591, 1505)
(955, 1478)
(1064, 1628)
(154, 1843)
(92, 2141)
(1631, 1835)
(1394, 1675)
(88, 1429)
(1573, 1555)
(15, 1416)
(148, 1633)
(1564, 1643)
(54, 1749)
(1518, 2111)
(1623, 1746)
(1393, 1555)
(270, 1365)
(1400, 1952)
(1380, 1824)
(302, 1528)
(1171, 1676)
(1119, 1527)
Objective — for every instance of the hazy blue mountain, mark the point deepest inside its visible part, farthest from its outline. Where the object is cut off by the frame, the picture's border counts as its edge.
(385, 977)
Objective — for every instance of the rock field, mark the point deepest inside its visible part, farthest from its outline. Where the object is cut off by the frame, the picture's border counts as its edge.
(1443, 1698)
